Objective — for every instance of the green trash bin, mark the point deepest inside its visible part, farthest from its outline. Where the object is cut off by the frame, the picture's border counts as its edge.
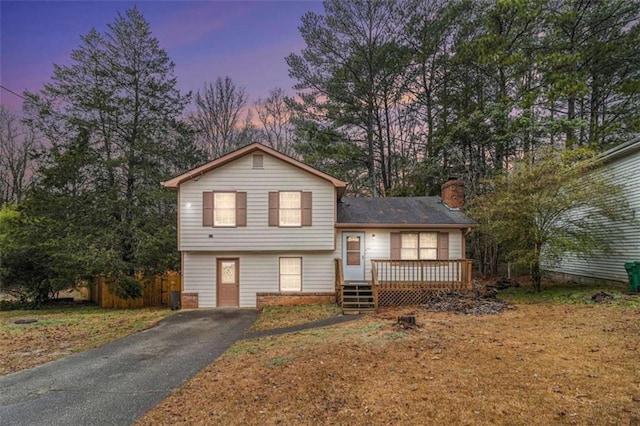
(636, 287)
(633, 271)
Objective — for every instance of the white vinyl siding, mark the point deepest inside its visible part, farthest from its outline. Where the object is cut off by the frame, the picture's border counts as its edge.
(622, 237)
(259, 272)
(275, 176)
(199, 276)
(379, 247)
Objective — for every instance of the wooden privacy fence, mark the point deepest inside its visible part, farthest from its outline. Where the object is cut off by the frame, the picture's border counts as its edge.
(155, 292)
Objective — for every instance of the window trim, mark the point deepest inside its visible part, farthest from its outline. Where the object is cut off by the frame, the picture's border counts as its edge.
(235, 209)
(298, 209)
(208, 209)
(280, 274)
(442, 244)
(418, 247)
(306, 209)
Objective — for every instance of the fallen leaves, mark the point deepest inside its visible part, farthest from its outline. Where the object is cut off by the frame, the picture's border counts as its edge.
(513, 368)
(60, 332)
(464, 303)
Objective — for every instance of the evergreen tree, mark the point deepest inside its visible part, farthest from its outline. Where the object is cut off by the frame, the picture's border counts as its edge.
(349, 75)
(113, 120)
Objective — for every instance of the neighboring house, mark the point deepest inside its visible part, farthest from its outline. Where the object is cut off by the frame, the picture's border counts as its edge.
(622, 166)
(256, 225)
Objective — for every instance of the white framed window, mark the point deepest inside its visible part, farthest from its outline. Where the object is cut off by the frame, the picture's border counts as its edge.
(224, 211)
(423, 246)
(290, 205)
(428, 243)
(290, 274)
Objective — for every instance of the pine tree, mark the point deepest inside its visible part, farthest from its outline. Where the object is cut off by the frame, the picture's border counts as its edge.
(113, 120)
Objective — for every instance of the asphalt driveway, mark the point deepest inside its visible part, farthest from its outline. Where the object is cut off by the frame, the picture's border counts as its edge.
(115, 384)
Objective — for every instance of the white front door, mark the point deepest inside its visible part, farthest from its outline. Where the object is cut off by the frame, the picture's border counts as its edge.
(353, 255)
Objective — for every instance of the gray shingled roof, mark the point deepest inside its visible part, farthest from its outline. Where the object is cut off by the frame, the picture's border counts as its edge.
(399, 211)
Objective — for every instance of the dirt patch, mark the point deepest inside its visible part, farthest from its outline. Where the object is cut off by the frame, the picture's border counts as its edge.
(465, 303)
(537, 364)
(30, 338)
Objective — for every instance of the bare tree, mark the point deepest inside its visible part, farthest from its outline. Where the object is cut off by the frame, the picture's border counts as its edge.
(17, 142)
(218, 111)
(275, 117)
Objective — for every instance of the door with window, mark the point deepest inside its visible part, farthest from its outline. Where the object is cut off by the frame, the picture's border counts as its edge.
(353, 256)
(228, 282)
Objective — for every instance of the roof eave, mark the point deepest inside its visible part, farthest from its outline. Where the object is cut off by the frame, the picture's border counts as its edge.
(620, 150)
(407, 225)
(225, 159)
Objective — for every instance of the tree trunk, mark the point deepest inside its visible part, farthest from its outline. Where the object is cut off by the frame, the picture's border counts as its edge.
(571, 115)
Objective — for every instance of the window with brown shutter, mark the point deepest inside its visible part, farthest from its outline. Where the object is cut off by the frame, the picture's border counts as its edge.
(207, 209)
(395, 246)
(274, 207)
(290, 208)
(224, 209)
(241, 209)
(443, 246)
(419, 246)
(306, 208)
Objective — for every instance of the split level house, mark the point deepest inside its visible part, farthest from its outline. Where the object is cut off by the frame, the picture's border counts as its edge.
(258, 227)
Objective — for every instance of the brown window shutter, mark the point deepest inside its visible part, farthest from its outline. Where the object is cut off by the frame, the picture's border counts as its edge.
(207, 209)
(274, 207)
(443, 246)
(306, 208)
(395, 246)
(241, 209)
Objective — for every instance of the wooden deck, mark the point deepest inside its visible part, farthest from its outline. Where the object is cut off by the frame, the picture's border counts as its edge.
(403, 282)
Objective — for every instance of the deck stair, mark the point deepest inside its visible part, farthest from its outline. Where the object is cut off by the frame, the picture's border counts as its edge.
(357, 297)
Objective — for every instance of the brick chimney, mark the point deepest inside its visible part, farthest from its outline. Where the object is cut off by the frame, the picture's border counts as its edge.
(453, 193)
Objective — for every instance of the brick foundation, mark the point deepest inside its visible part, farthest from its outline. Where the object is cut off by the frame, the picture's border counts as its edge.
(296, 298)
(189, 301)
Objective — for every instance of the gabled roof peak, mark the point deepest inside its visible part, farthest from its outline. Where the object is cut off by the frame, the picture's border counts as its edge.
(248, 149)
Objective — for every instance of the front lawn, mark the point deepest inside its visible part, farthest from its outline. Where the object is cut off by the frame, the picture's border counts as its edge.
(540, 363)
(572, 294)
(273, 317)
(62, 331)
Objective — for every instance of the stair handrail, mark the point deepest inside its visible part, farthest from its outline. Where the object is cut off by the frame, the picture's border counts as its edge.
(374, 273)
(339, 273)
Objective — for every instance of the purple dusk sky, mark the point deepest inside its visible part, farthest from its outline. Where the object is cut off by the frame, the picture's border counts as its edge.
(246, 40)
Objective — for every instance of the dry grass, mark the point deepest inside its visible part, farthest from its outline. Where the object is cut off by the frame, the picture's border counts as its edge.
(63, 331)
(541, 364)
(273, 317)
